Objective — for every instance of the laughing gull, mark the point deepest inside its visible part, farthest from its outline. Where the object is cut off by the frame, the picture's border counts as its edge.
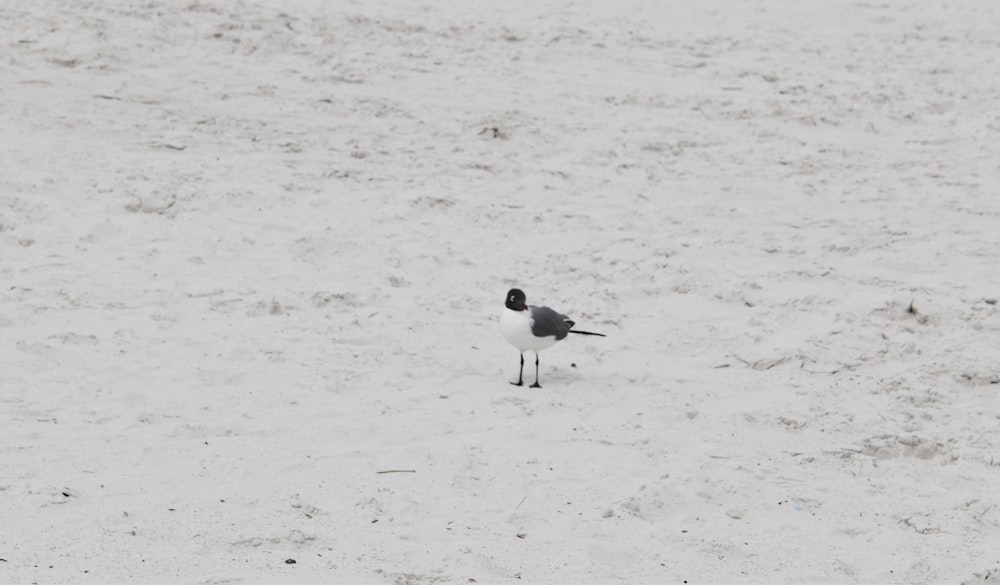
(531, 328)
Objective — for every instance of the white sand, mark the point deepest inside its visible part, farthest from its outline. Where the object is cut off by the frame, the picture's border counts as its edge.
(254, 254)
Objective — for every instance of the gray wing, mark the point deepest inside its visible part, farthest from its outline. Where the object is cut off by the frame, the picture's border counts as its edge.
(549, 322)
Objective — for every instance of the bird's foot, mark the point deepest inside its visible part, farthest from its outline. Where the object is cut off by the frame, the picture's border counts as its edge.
(518, 383)
(536, 385)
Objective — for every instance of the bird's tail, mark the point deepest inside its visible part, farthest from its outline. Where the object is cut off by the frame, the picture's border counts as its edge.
(587, 333)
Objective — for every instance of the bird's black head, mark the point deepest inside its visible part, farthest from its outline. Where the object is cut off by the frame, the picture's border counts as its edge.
(515, 300)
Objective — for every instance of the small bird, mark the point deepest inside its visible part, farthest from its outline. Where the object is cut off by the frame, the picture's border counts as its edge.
(531, 328)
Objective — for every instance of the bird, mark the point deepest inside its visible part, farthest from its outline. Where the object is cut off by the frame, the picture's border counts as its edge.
(531, 328)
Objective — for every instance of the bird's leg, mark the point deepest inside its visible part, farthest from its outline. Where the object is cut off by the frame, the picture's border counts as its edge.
(520, 375)
(536, 384)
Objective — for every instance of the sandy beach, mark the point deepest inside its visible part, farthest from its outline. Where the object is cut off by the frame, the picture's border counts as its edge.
(253, 257)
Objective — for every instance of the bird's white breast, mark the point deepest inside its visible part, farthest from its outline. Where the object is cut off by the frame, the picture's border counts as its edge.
(516, 329)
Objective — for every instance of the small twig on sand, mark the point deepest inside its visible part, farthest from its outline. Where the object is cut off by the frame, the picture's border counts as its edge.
(397, 471)
(177, 147)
